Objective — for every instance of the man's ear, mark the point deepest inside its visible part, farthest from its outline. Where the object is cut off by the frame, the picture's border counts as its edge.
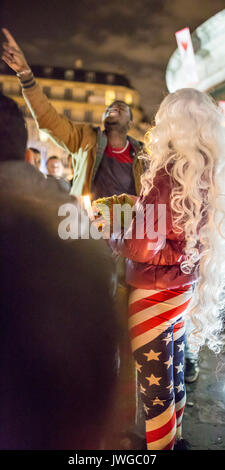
(130, 125)
(29, 156)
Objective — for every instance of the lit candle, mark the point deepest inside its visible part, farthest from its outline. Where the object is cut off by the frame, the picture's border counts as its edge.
(86, 201)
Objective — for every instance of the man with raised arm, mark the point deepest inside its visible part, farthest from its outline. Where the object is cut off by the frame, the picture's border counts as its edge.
(106, 161)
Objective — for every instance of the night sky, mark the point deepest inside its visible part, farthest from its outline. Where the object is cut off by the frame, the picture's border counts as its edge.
(131, 36)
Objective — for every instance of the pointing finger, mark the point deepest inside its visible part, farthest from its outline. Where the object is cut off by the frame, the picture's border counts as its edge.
(10, 38)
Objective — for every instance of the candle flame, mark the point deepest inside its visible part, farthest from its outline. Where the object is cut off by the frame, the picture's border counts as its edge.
(87, 205)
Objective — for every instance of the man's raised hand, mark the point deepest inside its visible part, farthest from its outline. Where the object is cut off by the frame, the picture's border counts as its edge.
(12, 54)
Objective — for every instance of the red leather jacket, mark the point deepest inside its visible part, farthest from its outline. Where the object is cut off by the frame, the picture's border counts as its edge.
(158, 268)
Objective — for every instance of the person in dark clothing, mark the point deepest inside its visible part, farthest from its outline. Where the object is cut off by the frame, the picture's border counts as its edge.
(56, 386)
(12, 124)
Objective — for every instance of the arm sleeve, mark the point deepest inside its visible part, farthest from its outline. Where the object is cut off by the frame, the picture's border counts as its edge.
(64, 132)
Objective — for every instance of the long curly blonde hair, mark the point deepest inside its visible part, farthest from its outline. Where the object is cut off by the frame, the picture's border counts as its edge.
(188, 140)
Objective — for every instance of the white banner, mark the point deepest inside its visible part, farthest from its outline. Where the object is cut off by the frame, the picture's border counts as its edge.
(185, 47)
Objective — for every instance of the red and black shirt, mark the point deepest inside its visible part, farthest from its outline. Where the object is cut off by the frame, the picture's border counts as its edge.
(115, 173)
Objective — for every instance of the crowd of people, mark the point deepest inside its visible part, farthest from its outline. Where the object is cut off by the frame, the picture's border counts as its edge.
(53, 167)
(61, 319)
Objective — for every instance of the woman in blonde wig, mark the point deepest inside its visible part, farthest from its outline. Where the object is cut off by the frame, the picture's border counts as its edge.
(185, 272)
(189, 142)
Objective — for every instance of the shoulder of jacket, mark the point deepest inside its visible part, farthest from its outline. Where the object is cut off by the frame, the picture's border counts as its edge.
(137, 144)
(88, 130)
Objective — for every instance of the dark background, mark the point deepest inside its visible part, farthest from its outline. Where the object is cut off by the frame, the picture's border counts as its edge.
(131, 36)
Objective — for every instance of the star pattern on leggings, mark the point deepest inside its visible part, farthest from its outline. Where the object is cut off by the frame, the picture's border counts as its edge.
(146, 409)
(181, 346)
(152, 355)
(158, 345)
(142, 390)
(180, 387)
(169, 362)
(138, 367)
(170, 387)
(168, 338)
(153, 380)
(157, 401)
(180, 368)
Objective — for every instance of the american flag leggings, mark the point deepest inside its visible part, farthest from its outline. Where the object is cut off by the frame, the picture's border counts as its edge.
(157, 329)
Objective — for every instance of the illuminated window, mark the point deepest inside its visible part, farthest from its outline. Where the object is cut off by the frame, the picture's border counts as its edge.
(77, 114)
(79, 94)
(69, 74)
(97, 117)
(68, 94)
(90, 76)
(48, 71)
(110, 96)
(88, 117)
(128, 98)
(11, 88)
(120, 95)
(57, 92)
(110, 78)
(78, 63)
(97, 98)
(89, 93)
(67, 113)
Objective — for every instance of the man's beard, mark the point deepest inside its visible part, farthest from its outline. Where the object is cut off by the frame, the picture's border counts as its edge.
(116, 126)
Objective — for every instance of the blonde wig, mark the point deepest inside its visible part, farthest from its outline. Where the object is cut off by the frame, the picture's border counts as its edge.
(188, 140)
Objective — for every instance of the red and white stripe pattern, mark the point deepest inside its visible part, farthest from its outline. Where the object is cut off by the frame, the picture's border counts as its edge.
(179, 407)
(151, 310)
(156, 325)
(162, 435)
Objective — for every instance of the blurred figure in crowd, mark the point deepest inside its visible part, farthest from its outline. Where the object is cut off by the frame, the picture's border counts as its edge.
(12, 124)
(56, 385)
(36, 154)
(55, 168)
(59, 369)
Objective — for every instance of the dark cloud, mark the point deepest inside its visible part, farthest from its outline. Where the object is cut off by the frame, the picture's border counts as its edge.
(136, 36)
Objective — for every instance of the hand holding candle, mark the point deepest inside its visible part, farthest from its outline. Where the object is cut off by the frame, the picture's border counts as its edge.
(105, 207)
(86, 203)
